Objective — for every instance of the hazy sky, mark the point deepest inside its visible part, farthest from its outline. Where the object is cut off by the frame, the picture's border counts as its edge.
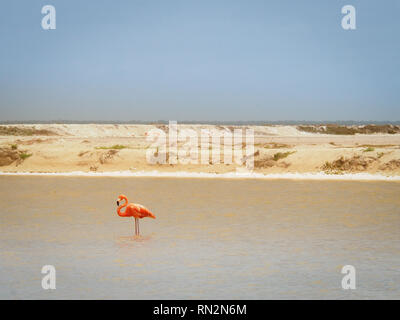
(200, 60)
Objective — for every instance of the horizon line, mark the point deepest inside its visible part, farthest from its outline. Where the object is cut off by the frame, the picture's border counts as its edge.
(215, 122)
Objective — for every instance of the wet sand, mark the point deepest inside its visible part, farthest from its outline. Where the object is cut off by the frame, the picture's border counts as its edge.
(212, 239)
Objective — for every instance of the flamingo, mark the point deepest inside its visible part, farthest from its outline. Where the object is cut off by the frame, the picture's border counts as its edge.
(133, 210)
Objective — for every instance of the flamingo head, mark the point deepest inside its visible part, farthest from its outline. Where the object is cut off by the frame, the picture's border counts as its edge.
(120, 198)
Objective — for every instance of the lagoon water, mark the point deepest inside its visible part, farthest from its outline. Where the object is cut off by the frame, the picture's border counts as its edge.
(212, 239)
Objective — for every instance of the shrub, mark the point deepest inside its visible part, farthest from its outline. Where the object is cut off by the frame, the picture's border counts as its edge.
(281, 155)
(24, 155)
(114, 147)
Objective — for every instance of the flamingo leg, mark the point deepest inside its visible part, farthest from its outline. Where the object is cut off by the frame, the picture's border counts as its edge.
(138, 231)
(135, 226)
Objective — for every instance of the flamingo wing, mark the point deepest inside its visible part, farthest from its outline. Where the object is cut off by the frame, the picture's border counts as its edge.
(143, 211)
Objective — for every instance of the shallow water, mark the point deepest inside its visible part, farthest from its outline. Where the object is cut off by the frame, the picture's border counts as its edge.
(212, 239)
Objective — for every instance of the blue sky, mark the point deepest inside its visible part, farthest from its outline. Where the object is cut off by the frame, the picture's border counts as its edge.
(200, 60)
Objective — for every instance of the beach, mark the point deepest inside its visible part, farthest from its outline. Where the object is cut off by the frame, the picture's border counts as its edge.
(278, 149)
(212, 238)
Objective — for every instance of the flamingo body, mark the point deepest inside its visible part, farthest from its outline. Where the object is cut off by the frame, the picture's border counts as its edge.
(134, 210)
(137, 211)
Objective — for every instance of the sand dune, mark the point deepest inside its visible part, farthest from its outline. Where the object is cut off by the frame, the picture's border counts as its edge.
(105, 148)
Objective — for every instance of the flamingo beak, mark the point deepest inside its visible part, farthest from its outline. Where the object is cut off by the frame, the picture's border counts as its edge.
(117, 202)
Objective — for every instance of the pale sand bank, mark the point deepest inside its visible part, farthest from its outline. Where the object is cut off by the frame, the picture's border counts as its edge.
(229, 175)
(281, 151)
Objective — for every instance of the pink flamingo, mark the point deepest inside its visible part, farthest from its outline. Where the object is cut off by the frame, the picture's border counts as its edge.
(133, 210)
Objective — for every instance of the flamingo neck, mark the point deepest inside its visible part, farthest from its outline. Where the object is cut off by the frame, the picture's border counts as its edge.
(120, 213)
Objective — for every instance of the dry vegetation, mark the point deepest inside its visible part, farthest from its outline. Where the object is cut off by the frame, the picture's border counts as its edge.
(82, 153)
(379, 146)
(109, 155)
(24, 131)
(33, 141)
(162, 127)
(282, 155)
(273, 145)
(102, 157)
(114, 147)
(350, 130)
(271, 161)
(355, 163)
(12, 154)
(391, 165)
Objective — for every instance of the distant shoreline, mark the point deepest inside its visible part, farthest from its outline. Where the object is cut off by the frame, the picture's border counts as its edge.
(207, 122)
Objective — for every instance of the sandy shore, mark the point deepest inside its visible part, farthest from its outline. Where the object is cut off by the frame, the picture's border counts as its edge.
(110, 148)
